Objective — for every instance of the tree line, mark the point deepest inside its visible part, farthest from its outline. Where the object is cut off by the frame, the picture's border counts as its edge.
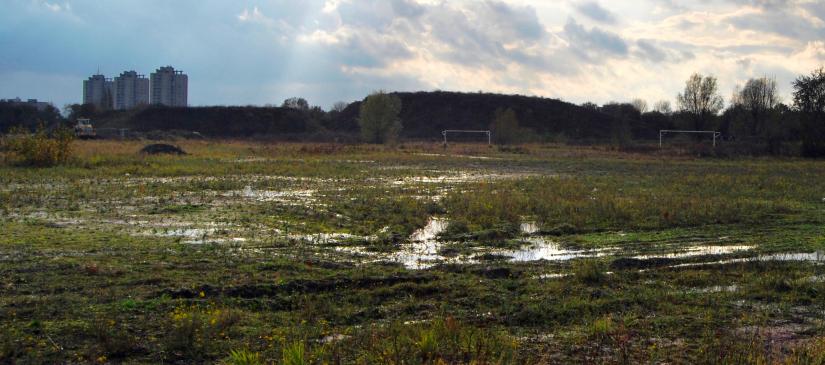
(755, 116)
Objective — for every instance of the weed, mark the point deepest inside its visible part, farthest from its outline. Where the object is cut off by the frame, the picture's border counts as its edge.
(589, 271)
(41, 148)
(193, 331)
(244, 357)
(114, 340)
(294, 354)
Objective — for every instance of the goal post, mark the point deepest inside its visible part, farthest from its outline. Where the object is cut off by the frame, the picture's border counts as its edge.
(663, 132)
(487, 132)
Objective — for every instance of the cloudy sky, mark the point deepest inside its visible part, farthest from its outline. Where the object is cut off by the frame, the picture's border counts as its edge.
(239, 52)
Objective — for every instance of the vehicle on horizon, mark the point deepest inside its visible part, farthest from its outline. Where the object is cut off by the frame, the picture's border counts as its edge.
(84, 129)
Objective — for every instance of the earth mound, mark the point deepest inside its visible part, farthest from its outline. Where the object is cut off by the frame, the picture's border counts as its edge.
(162, 148)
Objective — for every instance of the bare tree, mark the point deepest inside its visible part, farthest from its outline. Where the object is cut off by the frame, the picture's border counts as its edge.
(759, 97)
(590, 105)
(296, 103)
(663, 106)
(700, 99)
(809, 99)
(339, 106)
(640, 105)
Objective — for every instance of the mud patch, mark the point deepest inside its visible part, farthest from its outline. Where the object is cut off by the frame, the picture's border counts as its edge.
(299, 286)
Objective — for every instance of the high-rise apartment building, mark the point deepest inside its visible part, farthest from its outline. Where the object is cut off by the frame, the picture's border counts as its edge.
(130, 90)
(169, 87)
(97, 90)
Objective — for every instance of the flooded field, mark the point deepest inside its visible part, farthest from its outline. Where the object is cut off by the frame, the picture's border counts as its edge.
(552, 254)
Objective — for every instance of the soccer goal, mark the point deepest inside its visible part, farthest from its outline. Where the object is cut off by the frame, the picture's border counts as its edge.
(663, 132)
(444, 133)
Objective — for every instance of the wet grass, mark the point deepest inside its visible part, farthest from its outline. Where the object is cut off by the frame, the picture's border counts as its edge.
(233, 254)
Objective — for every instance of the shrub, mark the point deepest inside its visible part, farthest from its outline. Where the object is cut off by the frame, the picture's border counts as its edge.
(40, 148)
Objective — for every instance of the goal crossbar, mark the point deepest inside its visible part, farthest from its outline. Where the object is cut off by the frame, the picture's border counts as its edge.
(662, 132)
(446, 131)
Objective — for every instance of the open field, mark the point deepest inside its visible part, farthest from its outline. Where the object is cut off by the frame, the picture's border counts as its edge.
(322, 253)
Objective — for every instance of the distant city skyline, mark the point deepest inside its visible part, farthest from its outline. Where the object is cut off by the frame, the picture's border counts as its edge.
(262, 52)
(169, 87)
(166, 86)
(130, 89)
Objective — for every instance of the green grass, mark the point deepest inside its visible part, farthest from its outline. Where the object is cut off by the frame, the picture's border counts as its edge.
(95, 268)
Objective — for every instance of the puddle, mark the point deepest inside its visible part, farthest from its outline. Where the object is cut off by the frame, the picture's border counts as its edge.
(423, 250)
(324, 238)
(543, 248)
(529, 227)
(471, 157)
(248, 160)
(236, 240)
(183, 232)
(815, 257)
(430, 231)
(461, 177)
(274, 195)
(457, 178)
(715, 289)
(194, 236)
(212, 233)
(552, 276)
(333, 338)
(696, 251)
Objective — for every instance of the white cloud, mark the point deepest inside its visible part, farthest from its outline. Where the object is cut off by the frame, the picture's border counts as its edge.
(508, 47)
(578, 50)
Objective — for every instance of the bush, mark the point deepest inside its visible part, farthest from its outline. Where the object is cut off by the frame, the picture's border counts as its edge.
(40, 148)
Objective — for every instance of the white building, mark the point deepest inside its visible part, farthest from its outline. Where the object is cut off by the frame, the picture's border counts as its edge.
(130, 90)
(97, 90)
(169, 87)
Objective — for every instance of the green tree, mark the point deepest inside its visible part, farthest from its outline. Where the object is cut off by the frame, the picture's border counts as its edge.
(700, 100)
(504, 127)
(75, 111)
(809, 98)
(379, 118)
(624, 115)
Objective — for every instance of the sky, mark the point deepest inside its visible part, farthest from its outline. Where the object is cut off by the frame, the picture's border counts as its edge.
(247, 52)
